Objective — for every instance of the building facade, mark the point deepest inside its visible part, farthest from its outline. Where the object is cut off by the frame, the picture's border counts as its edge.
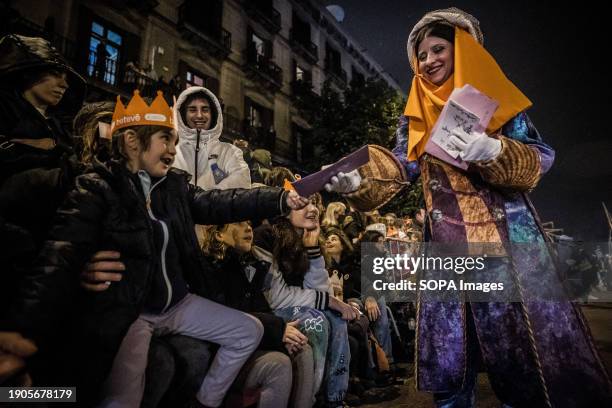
(256, 55)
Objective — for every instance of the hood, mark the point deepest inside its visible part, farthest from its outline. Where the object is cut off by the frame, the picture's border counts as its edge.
(452, 16)
(19, 53)
(186, 133)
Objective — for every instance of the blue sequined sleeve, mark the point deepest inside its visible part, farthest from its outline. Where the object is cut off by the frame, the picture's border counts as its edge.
(400, 151)
(522, 129)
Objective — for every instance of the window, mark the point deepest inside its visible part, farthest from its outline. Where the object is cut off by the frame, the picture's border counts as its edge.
(299, 73)
(193, 77)
(259, 46)
(205, 16)
(303, 145)
(258, 125)
(300, 30)
(332, 59)
(105, 47)
(356, 76)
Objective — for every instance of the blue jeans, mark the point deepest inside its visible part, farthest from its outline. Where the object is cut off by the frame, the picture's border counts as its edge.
(382, 329)
(328, 337)
(315, 326)
(338, 358)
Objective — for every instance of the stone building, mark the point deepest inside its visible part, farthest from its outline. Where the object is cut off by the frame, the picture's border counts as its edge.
(256, 55)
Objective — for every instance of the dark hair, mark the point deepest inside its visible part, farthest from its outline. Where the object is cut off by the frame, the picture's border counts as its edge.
(289, 252)
(30, 77)
(200, 95)
(277, 176)
(440, 30)
(143, 133)
(371, 236)
(85, 125)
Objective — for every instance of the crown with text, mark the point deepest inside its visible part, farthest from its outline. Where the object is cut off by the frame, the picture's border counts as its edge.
(138, 113)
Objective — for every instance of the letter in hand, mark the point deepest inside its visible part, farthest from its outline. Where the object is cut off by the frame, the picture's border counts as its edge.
(102, 269)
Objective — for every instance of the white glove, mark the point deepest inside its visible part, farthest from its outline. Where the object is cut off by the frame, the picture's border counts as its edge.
(476, 146)
(344, 183)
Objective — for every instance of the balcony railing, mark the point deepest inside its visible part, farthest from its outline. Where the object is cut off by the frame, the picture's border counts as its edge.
(218, 44)
(286, 150)
(264, 69)
(302, 91)
(270, 18)
(306, 49)
(336, 74)
(124, 80)
(232, 127)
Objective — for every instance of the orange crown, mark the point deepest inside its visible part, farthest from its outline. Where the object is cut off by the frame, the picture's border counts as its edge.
(138, 113)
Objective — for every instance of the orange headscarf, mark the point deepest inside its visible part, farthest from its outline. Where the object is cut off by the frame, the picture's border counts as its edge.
(473, 65)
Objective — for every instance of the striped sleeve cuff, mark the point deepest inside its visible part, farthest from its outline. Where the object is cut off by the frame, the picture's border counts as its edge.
(516, 167)
(322, 300)
(313, 252)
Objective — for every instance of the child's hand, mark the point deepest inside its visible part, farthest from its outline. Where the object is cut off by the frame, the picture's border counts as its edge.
(371, 306)
(293, 338)
(14, 348)
(102, 269)
(295, 201)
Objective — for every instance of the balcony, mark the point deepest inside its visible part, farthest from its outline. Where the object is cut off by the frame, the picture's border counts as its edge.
(306, 49)
(217, 44)
(285, 152)
(144, 6)
(264, 70)
(268, 17)
(336, 74)
(110, 78)
(232, 127)
(301, 91)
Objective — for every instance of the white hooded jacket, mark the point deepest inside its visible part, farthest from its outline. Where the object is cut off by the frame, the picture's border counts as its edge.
(234, 172)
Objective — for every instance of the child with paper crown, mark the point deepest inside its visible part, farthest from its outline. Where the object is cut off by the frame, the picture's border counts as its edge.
(138, 205)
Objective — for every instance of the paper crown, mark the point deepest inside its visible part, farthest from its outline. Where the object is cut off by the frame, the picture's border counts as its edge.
(138, 113)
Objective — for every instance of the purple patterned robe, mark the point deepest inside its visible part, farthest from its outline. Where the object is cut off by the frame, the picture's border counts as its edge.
(536, 353)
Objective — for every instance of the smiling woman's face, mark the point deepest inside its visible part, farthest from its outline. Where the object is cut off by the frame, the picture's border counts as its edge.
(306, 218)
(436, 59)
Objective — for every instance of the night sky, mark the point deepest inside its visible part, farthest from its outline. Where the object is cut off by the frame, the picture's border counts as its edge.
(558, 56)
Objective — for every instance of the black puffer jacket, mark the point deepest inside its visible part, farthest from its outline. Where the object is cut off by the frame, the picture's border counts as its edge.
(20, 54)
(107, 210)
(33, 181)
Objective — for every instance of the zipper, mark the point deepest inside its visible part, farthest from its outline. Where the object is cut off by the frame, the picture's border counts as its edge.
(164, 245)
(197, 150)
